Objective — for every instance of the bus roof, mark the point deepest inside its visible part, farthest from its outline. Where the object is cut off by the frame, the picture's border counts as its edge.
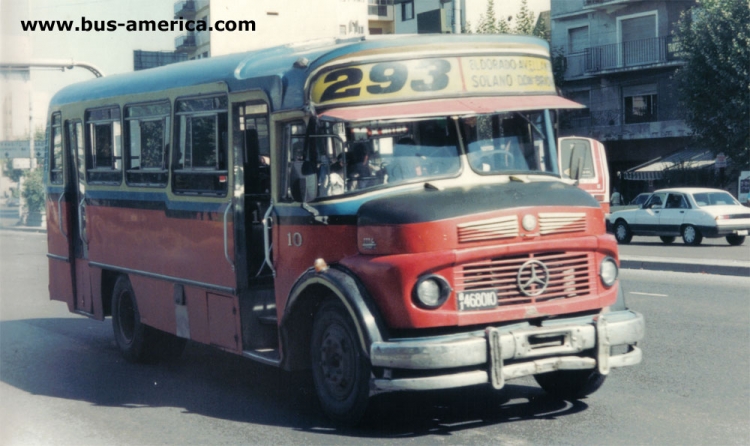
(273, 69)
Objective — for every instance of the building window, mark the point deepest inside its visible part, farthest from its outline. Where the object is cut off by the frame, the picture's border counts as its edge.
(578, 39)
(641, 108)
(103, 146)
(407, 11)
(200, 156)
(342, 30)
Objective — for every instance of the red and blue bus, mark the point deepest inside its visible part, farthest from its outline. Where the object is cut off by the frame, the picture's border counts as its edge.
(387, 213)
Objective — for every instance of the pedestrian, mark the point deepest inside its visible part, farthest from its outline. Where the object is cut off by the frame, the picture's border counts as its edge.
(615, 199)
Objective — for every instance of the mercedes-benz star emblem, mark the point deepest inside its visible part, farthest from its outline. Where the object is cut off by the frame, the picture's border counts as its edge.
(533, 278)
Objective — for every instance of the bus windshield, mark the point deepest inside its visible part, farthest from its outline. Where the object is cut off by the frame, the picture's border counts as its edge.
(508, 143)
(371, 154)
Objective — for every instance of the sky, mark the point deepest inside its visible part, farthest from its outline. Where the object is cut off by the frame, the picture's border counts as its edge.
(112, 52)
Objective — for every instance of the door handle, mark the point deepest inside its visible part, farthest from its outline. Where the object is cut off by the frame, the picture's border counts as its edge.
(226, 238)
(267, 223)
(59, 214)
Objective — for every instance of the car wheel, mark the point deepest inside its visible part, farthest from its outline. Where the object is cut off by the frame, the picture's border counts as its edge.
(735, 240)
(622, 232)
(570, 384)
(691, 235)
(340, 369)
(667, 240)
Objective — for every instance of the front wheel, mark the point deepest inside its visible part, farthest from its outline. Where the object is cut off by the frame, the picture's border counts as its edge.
(622, 232)
(735, 240)
(340, 369)
(667, 240)
(570, 384)
(691, 235)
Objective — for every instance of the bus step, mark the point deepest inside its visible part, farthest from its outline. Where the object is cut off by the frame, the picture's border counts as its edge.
(268, 356)
(268, 320)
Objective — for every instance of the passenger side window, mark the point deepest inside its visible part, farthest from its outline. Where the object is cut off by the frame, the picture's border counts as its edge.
(56, 154)
(103, 146)
(147, 143)
(297, 176)
(199, 160)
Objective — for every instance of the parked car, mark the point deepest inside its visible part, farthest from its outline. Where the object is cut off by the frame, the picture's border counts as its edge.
(640, 198)
(693, 213)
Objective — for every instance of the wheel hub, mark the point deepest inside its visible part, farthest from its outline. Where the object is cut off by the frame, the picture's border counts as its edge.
(337, 362)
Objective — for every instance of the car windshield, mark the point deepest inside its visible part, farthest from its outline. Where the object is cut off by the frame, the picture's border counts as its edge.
(508, 143)
(704, 199)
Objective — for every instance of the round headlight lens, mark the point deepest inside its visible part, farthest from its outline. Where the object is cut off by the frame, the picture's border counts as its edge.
(608, 271)
(431, 291)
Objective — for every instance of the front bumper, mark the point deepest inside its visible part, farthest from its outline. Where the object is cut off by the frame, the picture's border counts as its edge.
(498, 354)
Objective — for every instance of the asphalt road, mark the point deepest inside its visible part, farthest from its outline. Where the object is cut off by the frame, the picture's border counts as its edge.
(62, 381)
(710, 248)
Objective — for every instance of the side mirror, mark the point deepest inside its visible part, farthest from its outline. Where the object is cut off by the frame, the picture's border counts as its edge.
(576, 163)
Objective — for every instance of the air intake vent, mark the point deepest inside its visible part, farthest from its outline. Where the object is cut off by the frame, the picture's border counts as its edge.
(561, 222)
(492, 229)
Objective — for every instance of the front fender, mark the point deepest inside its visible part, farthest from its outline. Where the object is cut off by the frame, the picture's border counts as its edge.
(310, 290)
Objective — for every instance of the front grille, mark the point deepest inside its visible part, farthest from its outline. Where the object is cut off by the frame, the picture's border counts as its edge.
(492, 229)
(571, 274)
(561, 222)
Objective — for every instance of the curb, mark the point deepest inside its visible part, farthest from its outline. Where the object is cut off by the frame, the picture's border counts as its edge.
(726, 268)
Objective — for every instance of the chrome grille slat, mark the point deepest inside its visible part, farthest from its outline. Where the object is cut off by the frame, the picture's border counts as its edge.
(570, 275)
(495, 228)
(561, 222)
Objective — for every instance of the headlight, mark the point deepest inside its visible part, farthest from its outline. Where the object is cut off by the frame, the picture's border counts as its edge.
(431, 292)
(608, 271)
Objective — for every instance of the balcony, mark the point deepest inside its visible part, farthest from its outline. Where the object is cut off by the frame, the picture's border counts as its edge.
(613, 125)
(624, 56)
(184, 43)
(188, 9)
(597, 4)
(380, 10)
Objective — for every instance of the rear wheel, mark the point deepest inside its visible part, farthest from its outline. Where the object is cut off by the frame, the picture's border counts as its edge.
(622, 232)
(667, 240)
(138, 342)
(570, 384)
(735, 240)
(691, 235)
(340, 369)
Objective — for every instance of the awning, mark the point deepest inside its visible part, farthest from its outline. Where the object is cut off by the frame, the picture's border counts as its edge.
(684, 159)
(448, 107)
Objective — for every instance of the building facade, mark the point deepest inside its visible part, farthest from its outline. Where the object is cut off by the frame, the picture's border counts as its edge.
(619, 58)
(284, 21)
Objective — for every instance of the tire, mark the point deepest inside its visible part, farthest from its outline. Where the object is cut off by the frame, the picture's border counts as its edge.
(137, 342)
(691, 235)
(622, 232)
(735, 240)
(570, 384)
(340, 369)
(667, 239)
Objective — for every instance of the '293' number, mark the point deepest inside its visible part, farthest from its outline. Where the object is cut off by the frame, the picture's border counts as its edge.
(389, 77)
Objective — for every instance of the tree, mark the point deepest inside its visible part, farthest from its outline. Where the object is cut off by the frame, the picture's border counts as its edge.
(487, 21)
(525, 20)
(714, 83)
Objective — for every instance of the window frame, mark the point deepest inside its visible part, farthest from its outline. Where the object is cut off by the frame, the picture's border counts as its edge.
(95, 174)
(177, 164)
(404, 7)
(56, 173)
(139, 176)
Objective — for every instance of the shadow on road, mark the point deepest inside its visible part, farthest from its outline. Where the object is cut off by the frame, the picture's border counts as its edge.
(77, 359)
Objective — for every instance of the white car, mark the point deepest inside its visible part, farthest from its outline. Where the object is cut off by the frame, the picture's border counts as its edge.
(691, 212)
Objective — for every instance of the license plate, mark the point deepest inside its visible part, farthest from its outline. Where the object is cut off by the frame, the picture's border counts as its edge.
(742, 232)
(477, 300)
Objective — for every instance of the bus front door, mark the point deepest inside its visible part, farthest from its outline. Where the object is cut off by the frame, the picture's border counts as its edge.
(84, 299)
